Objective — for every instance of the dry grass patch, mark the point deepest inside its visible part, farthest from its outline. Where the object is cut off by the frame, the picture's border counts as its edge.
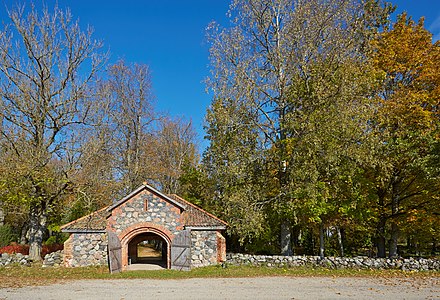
(19, 276)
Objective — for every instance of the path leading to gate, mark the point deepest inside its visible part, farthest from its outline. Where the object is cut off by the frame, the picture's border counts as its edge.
(236, 288)
(145, 267)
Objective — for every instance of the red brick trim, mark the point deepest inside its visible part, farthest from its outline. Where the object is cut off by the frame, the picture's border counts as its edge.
(68, 251)
(221, 247)
(129, 233)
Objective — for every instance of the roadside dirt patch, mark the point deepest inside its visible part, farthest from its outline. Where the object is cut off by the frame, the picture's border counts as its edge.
(235, 288)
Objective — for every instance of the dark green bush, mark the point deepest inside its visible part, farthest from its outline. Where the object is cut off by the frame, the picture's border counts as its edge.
(7, 235)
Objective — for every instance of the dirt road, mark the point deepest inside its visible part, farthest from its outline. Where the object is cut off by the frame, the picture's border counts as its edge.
(236, 288)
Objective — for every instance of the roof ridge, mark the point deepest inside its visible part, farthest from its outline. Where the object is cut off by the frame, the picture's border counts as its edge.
(199, 208)
(140, 189)
(83, 217)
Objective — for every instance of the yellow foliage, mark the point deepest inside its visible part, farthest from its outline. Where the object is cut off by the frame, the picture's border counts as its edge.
(409, 63)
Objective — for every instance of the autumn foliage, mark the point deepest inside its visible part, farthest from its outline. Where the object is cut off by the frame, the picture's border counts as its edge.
(24, 249)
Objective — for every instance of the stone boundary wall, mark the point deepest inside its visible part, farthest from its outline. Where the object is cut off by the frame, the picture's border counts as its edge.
(54, 259)
(9, 259)
(359, 262)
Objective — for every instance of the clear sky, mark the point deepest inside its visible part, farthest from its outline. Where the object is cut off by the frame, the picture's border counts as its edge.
(169, 36)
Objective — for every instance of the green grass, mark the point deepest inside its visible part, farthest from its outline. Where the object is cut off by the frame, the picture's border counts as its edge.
(18, 276)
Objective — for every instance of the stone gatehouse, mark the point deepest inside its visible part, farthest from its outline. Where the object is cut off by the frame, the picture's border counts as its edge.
(146, 226)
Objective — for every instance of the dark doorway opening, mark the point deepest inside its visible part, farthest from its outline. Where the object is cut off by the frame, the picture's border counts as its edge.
(148, 248)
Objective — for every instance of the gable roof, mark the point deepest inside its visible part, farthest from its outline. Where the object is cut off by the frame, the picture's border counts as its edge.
(152, 190)
(194, 216)
(94, 222)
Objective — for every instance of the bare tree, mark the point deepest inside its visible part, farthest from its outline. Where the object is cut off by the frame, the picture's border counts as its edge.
(46, 65)
(173, 148)
(131, 116)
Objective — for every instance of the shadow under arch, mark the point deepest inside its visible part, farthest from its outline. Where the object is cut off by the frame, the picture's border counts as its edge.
(137, 233)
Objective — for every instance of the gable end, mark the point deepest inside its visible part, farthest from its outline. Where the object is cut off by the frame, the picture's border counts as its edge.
(153, 191)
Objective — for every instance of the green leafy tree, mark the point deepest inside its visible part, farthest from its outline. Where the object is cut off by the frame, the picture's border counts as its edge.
(405, 130)
(282, 78)
(43, 101)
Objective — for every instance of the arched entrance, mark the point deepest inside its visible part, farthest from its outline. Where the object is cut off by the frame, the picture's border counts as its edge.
(146, 245)
(148, 248)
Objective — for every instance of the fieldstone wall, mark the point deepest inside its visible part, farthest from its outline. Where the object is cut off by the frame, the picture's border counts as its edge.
(18, 258)
(406, 264)
(145, 208)
(54, 259)
(204, 248)
(85, 249)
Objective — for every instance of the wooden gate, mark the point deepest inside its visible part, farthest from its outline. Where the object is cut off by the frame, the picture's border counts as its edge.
(181, 251)
(114, 252)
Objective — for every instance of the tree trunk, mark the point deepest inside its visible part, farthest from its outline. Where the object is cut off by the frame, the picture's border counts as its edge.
(296, 239)
(394, 226)
(393, 240)
(341, 245)
(286, 237)
(37, 226)
(24, 234)
(380, 240)
(409, 246)
(2, 215)
(321, 240)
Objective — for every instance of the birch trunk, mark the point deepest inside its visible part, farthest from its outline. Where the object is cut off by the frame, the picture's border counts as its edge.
(286, 237)
(321, 240)
(341, 245)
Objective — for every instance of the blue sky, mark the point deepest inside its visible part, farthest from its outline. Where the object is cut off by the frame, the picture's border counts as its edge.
(169, 36)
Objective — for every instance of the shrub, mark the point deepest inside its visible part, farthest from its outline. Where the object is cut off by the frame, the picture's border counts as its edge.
(24, 249)
(51, 248)
(51, 240)
(57, 238)
(6, 235)
(14, 248)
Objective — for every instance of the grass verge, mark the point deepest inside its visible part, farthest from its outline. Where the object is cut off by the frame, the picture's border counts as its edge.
(19, 276)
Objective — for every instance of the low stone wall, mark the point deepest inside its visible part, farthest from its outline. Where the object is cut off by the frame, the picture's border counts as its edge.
(54, 259)
(360, 262)
(9, 259)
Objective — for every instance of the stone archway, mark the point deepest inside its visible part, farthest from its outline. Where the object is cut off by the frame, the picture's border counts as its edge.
(147, 248)
(146, 231)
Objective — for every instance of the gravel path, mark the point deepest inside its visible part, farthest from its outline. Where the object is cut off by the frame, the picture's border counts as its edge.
(236, 288)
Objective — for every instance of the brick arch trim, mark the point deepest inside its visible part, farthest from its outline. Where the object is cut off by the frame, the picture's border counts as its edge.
(129, 233)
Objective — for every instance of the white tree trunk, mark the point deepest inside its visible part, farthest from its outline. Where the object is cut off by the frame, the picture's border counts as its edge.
(341, 245)
(286, 238)
(321, 240)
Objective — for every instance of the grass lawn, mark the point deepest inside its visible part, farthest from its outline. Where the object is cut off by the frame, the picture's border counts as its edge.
(19, 276)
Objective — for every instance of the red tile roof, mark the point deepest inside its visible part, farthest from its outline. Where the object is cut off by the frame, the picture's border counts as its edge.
(194, 216)
(94, 222)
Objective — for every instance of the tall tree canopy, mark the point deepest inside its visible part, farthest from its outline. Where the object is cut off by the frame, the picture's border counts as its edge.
(290, 80)
(43, 96)
(405, 130)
